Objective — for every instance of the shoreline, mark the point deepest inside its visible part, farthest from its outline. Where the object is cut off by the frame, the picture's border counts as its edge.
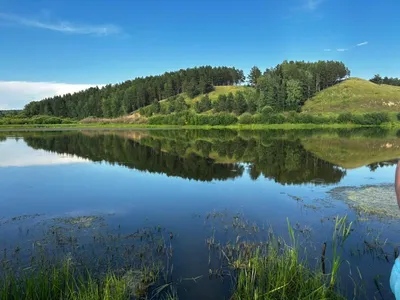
(285, 126)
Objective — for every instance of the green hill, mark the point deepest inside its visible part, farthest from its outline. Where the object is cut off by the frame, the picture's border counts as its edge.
(218, 90)
(357, 96)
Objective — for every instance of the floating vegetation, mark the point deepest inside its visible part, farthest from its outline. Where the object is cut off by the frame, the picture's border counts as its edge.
(371, 200)
(19, 218)
(298, 199)
(83, 221)
(82, 258)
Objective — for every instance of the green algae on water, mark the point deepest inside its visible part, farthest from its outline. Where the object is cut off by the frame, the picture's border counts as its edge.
(372, 200)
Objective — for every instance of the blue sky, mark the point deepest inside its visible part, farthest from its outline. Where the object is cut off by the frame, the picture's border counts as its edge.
(52, 47)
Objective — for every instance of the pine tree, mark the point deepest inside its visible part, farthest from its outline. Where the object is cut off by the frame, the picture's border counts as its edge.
(230, 102)
(240, 105)
(254, 74)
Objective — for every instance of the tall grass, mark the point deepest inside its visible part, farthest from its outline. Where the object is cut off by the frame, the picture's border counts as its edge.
(275, 270)
(62, 282)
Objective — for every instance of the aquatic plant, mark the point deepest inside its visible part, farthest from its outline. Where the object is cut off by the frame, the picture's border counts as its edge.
(63, 281)
(274, 269)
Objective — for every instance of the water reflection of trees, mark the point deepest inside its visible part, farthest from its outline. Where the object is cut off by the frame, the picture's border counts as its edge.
(373, 167)
(198, 154)
(115, 149)
(282, 159)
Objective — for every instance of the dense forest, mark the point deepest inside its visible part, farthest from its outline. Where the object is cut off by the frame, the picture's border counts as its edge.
(385, 80)
(281, 88)
(289, 84)
(120, 99)
(10, 113)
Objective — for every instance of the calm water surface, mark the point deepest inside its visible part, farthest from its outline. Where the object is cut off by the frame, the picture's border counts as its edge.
(174, 179)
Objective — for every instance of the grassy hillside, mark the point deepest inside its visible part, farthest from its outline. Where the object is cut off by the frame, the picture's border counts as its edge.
(357, 96)
(219, 90)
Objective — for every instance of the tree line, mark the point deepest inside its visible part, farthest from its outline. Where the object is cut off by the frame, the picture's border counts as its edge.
(9, 113)
(187, 154)
(124, 98)
(120, 150)
(283, 88)
(288, 85)
(385, 80)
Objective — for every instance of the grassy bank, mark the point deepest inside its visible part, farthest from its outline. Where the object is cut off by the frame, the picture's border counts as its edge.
(149, 126)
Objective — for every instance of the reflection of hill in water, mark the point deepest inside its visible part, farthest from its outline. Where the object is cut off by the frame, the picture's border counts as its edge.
(282, 159)
(116, 149)
(288, 157)
(197, 154)
(354, 153)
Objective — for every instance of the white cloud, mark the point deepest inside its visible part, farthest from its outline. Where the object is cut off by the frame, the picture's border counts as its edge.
(362, 44)
(327, 50)
(66, 27)
(15, 94)
(341, 49)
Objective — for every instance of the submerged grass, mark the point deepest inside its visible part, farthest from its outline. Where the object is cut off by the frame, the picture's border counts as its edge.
(79, 258)
(259, 264)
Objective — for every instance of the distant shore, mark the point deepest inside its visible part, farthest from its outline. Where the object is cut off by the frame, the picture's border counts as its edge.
(287, 126)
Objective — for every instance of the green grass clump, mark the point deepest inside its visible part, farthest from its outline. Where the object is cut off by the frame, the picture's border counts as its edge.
(357, 96)
(62, 282)
(275, 270)
(281, 275)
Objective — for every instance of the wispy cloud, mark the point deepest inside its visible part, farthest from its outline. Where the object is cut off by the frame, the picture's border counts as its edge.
(347, 49)
(62, 26)
(309, 7)
(312, 5)
(15, 94)
(362, 44)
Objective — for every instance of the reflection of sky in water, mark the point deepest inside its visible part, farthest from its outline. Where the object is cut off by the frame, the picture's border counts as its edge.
(17, 154)
(59, 185)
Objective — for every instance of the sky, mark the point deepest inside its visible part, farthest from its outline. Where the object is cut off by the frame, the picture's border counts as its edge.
(50, 47)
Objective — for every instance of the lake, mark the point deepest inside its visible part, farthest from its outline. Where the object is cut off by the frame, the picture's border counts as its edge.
(110, 198)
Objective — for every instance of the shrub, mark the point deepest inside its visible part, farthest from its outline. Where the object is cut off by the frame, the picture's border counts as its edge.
(257, 119)
(35, 120)
(310, 119)
(304, 119)
(345, 117)
(246, 118)
(276, 119)
(187, 118)
(377, 118)
(291, 117)
(267, 110)
(398, 116)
